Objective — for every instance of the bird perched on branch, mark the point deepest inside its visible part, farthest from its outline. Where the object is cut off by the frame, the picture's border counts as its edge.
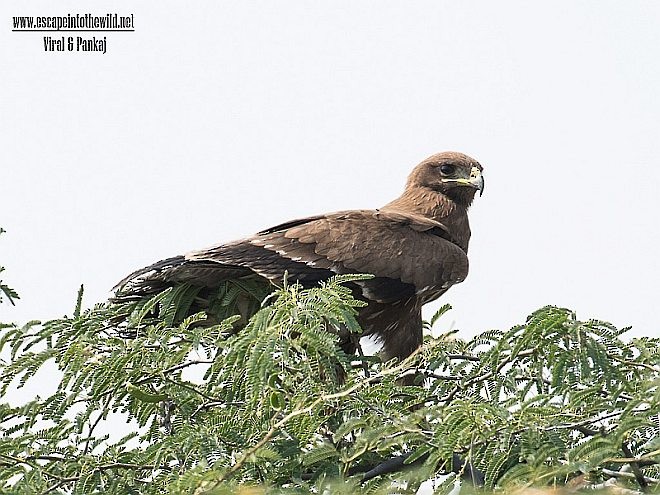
(415, 246)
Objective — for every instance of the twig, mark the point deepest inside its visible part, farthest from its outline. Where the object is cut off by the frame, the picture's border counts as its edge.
(208, 405)
(59, 483)
(149, 378)
(464, 357)
(93, 426)
(433, 374)
(189, 388)
(484, 377)
(358, 348)
(633, 363)
(104, 467)
(623, 474)
(611, 486)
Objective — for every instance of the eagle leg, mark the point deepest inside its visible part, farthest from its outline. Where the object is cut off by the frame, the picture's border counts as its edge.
(398, 326)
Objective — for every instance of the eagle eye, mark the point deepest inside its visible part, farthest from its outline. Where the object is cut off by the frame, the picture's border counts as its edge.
(447, 169)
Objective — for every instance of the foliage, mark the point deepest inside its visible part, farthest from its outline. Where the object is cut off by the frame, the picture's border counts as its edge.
(158, 405)
(5, 290)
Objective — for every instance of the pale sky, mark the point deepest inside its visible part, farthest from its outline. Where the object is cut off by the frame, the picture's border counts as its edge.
(214, 120)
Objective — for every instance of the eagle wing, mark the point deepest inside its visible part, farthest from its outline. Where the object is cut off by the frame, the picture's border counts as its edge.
(407, 254)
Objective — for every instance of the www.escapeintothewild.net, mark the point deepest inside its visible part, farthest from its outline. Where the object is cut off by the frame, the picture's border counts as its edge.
(75, 23)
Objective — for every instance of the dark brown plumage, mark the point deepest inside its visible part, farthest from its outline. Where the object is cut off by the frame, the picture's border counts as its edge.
(415, 246)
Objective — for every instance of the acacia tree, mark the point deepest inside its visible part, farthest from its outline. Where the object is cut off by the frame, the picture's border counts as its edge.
(155, 404)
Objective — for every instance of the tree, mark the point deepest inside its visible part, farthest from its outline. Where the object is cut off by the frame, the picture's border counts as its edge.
(275, 406)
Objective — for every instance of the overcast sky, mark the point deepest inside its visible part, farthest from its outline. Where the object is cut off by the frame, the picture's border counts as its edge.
(214, 120)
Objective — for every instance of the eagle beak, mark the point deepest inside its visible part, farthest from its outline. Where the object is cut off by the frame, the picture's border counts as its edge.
(476, 180)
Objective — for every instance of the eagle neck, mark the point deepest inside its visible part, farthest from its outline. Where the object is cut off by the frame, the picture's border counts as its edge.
(438, 207)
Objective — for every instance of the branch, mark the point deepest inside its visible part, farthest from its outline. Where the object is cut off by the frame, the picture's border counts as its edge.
(464, 357)
(623, 474)
(639, 476)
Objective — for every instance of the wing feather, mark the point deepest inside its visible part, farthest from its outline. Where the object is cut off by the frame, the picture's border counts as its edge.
(410, 249)
(407, 254)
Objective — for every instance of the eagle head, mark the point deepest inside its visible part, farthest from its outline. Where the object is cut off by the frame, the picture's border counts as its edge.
(453, 174)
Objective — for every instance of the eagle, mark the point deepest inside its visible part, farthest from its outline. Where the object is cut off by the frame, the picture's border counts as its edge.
(415, 247)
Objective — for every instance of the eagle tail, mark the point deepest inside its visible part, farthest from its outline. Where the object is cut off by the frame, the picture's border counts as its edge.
(218, 289)
(173, 272)
(156, 268)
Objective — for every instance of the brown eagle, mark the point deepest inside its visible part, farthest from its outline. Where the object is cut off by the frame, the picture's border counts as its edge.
(416, 248)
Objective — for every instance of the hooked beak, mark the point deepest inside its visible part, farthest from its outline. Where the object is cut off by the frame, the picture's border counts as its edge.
(476, 180)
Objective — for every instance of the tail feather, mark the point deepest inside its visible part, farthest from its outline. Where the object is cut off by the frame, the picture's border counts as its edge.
(156, 268)
(176, 270)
